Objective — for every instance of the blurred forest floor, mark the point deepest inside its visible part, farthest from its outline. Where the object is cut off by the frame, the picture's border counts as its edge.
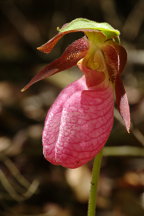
(29, 185)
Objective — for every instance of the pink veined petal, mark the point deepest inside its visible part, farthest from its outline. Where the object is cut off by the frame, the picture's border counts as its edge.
(78, 124)
(72, 54)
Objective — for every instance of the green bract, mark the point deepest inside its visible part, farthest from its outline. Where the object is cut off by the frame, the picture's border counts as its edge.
(81, 24)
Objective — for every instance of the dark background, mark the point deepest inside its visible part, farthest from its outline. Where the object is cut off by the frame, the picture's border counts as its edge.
(29, 184)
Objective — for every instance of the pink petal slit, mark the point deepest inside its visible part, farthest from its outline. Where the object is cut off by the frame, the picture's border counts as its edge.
(78, 124)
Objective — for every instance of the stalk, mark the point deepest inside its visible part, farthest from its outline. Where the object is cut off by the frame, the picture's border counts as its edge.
(94, 185)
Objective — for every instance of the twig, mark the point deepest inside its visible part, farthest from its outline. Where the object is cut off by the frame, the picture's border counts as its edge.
(135, 131)
(10, 189)
(15, 172)
(109, 12)
(123, 151)
(28, 31)
(13, 214)
(136, 56)
(134, 21)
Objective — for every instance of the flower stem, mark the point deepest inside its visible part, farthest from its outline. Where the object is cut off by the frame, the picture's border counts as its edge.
(94, 184)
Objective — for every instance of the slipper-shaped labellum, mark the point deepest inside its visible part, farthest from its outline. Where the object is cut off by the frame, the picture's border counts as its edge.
(79, 122)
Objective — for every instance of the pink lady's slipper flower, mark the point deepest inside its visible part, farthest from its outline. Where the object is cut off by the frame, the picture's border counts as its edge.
(79, 122)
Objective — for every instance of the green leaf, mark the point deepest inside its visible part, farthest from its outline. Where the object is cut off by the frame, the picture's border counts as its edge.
(81, 24)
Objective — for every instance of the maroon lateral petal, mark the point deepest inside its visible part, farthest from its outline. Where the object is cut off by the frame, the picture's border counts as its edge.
(116, 57)
(122, 54)
(122, 102)
(72, 54)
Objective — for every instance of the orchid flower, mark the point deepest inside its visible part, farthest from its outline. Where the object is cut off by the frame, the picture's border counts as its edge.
(79, 122)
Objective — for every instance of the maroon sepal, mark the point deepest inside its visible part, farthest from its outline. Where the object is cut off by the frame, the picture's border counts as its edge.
(72, 54)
